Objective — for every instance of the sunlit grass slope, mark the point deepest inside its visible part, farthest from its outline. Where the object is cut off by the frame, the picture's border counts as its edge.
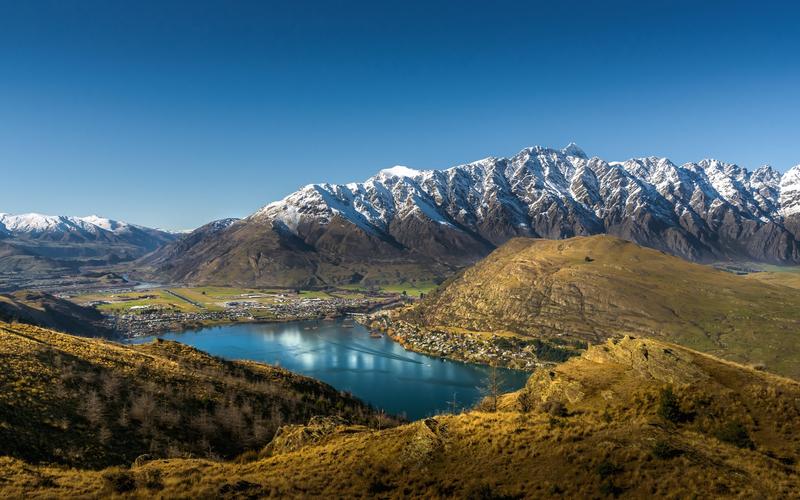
(637, 418)
(590, 288)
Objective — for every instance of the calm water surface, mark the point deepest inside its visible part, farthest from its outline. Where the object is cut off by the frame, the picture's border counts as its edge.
(377, 370)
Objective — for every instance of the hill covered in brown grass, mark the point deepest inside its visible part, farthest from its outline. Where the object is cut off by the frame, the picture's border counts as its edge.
(633, 418)
(48, 311)
(591, 288)
(92, 403)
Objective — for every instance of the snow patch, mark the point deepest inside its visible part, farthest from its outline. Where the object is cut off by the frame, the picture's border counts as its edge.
(400, 171)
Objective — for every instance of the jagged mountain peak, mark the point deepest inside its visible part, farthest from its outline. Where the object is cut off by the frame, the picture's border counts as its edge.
(576, 189)
(706, 211)
(790, 191)
(573, 149)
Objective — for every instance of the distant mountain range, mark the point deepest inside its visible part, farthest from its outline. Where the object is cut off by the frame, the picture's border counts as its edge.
(34, 243)
(406, 223)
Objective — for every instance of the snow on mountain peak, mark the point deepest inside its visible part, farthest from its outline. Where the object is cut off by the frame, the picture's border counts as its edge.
(103, 223)
(400, 171)
(40, 224)
(541, 184)
(33, 222)
(790, 191)
(572, 149)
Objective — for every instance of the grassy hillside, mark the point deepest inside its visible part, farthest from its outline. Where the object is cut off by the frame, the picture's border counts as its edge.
(783, 278)
(591, 288)
(92, 403)
(633, 418)
(45, 310)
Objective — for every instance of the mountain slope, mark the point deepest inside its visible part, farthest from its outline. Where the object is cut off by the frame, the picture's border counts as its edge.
(54, 242)
(439, 220)
(48, 311)
(633, 418)
(590, 288)
(92, 403)
(15, 260)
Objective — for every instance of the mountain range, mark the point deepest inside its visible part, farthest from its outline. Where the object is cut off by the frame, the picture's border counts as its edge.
(423, 224)
(34, 243)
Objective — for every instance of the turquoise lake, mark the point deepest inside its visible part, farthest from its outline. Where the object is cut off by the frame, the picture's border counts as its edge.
(342, 354)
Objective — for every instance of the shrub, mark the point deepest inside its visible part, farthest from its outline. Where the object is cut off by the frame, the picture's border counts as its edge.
(119, 481)
(606, 468)
(525, 401)
(554, 408)
(151, 479)
(665, 451)
(486, 492)
(241, 489)
(608, 488)
(735, 434)
(247, 457)
(548, 352)
(669, 408)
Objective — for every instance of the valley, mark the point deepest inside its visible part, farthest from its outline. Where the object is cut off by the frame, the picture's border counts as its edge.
(354, 250)
(601, 329)
(159, 309)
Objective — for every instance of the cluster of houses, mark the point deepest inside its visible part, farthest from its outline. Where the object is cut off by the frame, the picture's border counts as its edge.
(493, 350)
(152, 319)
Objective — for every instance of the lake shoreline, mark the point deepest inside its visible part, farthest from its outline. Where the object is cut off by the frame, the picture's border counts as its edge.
(157, 322)
(345, 355)
(464, 347)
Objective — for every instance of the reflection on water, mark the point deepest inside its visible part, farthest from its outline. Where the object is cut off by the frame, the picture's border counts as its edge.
(377, 370)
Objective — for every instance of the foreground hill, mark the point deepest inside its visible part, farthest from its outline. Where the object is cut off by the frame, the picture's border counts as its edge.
(45, 310)
(636, 418)
(591, 288)
(92, 403)
(406, 223)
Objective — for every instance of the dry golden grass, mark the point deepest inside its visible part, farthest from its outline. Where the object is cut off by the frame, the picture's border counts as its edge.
(590, 288)
(790, 279)
(593, 427)
(92, 403)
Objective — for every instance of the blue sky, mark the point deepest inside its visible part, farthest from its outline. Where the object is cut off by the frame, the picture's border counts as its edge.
(172, 113)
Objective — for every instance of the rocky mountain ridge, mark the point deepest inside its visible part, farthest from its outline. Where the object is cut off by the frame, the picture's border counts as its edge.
(439, 220)
(33, 244)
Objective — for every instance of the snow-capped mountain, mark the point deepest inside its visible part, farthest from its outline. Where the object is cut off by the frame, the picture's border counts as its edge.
(62, 226)
(441, 219)
(66, 238)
